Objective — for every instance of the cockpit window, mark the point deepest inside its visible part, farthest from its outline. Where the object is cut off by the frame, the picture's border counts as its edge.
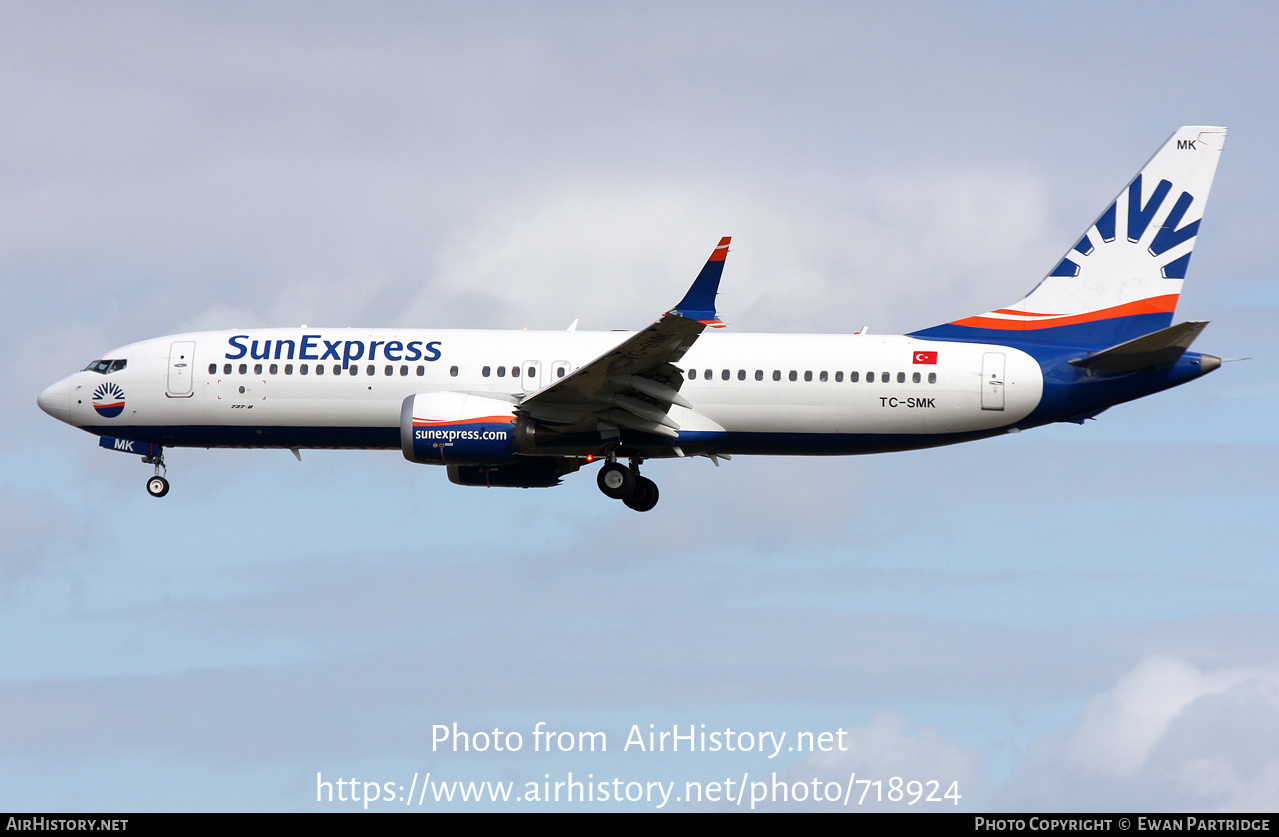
(105, 367)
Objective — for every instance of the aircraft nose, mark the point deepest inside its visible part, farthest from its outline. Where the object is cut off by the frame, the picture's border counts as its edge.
(56, 400)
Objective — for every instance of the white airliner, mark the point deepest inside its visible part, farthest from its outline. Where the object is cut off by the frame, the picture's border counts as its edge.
(525, 408)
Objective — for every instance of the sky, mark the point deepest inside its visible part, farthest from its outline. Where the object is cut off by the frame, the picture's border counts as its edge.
(1073, 618)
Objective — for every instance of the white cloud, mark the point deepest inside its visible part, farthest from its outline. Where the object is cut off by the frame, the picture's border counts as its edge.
(1120, 727)
(908, 249)
(1167, 736)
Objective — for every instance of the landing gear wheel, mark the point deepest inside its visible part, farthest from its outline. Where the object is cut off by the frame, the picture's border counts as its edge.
(644, 497)
(157, 486)
(616, 481)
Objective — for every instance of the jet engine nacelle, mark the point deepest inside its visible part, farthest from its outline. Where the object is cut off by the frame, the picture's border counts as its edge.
(454, 428)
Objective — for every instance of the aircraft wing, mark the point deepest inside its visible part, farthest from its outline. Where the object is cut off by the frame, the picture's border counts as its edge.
(634, 384)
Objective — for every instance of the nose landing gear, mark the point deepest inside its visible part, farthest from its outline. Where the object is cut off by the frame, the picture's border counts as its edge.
(157, 486)
(626, 484)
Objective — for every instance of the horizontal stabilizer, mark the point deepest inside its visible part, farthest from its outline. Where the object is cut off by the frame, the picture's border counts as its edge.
(1160, 348)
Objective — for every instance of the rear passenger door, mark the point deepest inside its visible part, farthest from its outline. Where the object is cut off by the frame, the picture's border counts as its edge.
(992, 381)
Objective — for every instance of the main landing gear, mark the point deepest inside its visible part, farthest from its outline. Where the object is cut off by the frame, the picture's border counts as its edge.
(626, 484)
(157, 486)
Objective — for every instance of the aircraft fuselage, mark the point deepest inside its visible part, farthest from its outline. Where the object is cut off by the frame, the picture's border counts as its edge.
(751, 393)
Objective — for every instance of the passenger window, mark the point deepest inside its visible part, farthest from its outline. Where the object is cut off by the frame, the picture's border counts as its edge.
(244, 369)
(559, 372)
(884, 377)
(257, 369)
(808, 375)
(741, 374)
(404, 370)
(794, 376)
(515, 371)
(337, 369)
(388, 370)
(759, 374)
(870, 377)
(319, 369)
(355, 370)
(288, 369)
(421, 370)
(915, 378)
(453, 371)
(303, 369)
(273, 368)
(372, 370)
(725, 375)
(213, 369)
(692, 374)
(839, 377)
(777, 374)
(932, 377)
(532, 372)
(854, 377)
(226, 369)
(486, 370)
(501, 371)
(901, 377)
(824, 377)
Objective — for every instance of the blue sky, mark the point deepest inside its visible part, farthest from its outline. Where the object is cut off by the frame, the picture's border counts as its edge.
(1071, 618)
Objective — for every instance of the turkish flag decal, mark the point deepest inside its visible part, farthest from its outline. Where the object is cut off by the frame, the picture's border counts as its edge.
(924, 357)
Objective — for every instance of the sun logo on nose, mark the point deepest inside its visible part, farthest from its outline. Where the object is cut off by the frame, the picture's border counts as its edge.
(108, 400)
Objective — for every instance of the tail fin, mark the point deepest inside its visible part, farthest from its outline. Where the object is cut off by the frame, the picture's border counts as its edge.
(1123, 278)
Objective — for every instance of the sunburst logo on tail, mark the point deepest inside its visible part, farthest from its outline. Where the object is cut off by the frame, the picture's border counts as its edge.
(1155, 239)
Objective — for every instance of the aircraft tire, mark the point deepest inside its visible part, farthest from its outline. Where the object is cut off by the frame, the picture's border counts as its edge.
(644, 497)
(616, 481)
(157, 486)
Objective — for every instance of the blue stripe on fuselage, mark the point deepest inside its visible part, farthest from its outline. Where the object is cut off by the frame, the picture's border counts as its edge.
(222, 436)
(388, 438)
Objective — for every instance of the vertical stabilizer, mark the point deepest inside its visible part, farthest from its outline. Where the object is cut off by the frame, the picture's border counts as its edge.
(1123, 277)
